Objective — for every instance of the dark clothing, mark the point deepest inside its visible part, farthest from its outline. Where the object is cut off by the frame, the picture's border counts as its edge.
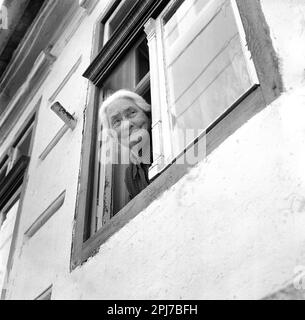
(136, 178)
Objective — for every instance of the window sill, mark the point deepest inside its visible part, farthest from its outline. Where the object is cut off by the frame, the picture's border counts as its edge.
(234, 118)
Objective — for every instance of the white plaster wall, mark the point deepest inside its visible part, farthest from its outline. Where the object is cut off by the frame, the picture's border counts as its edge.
(39, 259)
(286, 19)
(231, 228)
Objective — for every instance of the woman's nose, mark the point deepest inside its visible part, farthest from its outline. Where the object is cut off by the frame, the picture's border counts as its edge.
(126, 125)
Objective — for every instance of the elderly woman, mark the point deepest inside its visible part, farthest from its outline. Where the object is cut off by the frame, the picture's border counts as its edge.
(128, 117)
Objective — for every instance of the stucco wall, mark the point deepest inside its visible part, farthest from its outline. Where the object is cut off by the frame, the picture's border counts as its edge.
(286, 19)
(38, 260)
(231, 228)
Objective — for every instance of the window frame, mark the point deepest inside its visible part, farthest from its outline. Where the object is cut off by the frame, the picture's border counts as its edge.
(115, 10)
(270, 86)
(156, 29)
(17, 173)
(99, 219)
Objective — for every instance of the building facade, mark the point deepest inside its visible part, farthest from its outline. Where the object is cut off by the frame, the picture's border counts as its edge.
(224, 214)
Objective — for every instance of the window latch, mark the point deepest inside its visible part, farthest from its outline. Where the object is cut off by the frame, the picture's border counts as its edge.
(64, 115)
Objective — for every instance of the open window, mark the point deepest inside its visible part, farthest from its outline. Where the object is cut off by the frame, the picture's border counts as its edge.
(110, 192)
(197, 66)
(13, 166)
(206, 69)
(12, 173)
(131, 72)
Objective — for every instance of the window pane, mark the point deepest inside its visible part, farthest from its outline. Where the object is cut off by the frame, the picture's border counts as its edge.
(131, 70)
(117, 17)
(142, 61)
(123, 76)
(205, 64)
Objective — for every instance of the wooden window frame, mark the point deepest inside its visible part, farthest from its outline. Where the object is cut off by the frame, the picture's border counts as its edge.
(270, 87)
(104, 210)
(9, 157)
(162, 127)
(13, 186)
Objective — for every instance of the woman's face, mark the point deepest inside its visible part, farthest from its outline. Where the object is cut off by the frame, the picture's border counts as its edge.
(127, 120)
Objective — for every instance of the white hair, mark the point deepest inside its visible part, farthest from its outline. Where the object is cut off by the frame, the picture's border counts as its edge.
(121, 94)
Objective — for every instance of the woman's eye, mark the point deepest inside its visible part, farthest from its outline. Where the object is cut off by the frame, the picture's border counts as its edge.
(116, 123)
(132, 112)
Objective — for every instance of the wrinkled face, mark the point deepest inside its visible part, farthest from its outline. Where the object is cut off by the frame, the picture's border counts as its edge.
(127, 119)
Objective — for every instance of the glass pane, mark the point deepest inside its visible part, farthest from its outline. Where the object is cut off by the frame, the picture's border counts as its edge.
(130, 71)
(142, 61)
(206, 68)
(147, 96)
(123, 76)
(117, 17)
